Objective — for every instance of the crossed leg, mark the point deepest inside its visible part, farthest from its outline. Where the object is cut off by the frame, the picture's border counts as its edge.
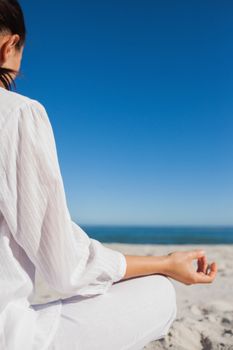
(131, 314)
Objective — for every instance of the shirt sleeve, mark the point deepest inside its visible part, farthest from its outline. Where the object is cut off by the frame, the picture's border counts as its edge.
(35, 208)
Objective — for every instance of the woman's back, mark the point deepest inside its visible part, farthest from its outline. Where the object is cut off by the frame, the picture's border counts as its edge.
(45, 255)
(21, 326)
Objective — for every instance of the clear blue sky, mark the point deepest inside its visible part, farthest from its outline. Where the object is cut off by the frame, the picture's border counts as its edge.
(140, 97)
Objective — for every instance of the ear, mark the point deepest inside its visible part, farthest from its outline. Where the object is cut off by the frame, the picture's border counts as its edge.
(8, 47)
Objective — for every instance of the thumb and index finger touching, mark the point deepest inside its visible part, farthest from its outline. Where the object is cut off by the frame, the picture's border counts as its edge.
(206, 272)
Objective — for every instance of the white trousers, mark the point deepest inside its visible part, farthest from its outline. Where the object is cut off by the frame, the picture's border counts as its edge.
(131, 314)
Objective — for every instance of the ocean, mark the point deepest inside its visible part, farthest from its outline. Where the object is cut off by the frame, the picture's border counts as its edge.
(160, 234)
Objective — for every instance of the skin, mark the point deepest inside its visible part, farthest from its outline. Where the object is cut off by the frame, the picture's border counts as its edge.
(178, 264)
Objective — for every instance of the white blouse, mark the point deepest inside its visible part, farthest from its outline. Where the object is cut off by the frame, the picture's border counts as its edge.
(44, 255)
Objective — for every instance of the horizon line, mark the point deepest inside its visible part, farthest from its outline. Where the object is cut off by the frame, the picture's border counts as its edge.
(157, 225)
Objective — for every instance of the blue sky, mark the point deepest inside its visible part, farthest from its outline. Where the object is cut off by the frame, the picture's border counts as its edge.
(139, 94)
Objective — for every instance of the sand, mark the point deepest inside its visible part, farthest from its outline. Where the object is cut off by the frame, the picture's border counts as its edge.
(205, 312)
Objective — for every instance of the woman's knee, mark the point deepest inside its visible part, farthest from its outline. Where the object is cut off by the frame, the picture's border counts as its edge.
(164, 297)
(161, 297)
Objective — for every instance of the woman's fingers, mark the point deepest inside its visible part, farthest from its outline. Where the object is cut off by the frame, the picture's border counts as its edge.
(205, 265)
(180, 267)
(205, 273)
(207, 277)
(202, 264)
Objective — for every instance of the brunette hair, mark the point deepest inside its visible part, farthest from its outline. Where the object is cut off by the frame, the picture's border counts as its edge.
(11, 21)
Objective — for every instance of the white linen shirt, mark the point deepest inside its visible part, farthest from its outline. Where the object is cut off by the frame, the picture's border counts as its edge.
(44, 255)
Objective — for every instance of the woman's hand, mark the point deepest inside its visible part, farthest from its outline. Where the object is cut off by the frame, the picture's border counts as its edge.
(177, 265)
(180, 267)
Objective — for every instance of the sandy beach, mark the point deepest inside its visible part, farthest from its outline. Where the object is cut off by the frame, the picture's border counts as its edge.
(205, 312)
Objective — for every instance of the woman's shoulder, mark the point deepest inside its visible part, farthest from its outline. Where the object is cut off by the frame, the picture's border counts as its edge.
(11, 101)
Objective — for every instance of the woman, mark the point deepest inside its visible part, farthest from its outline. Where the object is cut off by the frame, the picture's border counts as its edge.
(58, 287)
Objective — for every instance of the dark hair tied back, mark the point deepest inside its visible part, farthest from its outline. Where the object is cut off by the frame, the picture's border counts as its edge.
(11, 21)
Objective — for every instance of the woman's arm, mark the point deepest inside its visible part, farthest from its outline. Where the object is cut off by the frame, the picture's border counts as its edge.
(177, 265)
